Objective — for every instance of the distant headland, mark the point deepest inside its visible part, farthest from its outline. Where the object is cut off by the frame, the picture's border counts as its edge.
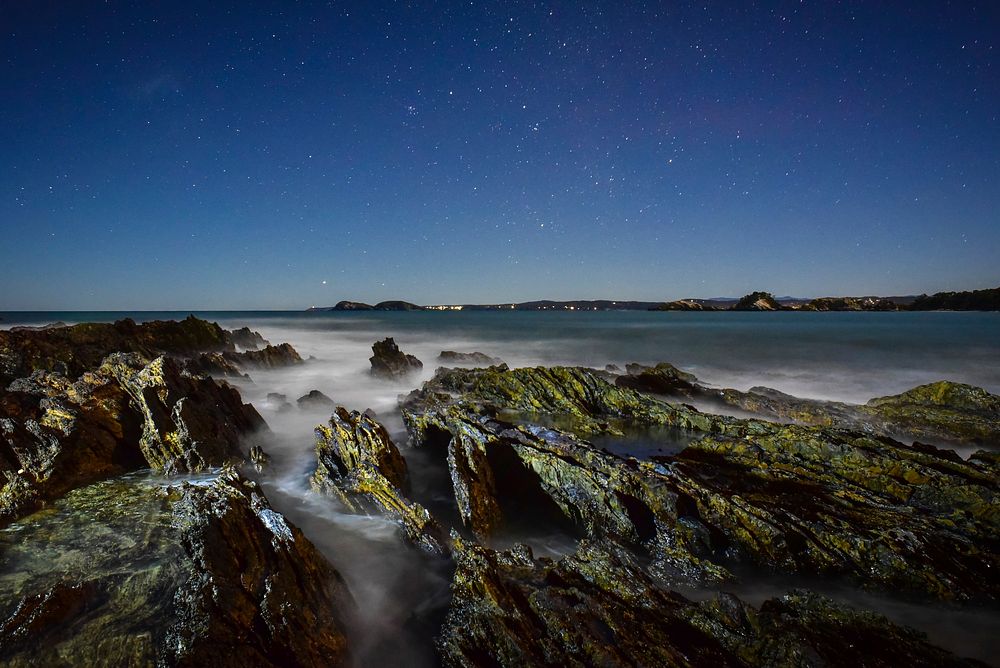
(973, 300)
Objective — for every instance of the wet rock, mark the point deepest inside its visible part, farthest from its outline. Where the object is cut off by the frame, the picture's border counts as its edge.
(789, 498)
(247, 339)
(269, 357)
(131, 572)
(315, 400)
(390, 362)
(74, 350)
(663, 378)
(278, 402)
(215, 365)
(358, 463)
(188, 424)
(943, 411)
(473, 358)
(598, 608)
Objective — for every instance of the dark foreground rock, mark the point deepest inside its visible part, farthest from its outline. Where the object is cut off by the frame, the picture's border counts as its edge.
(73, 350)
(598, 608)
(57, 433)
(132, 572)
(389, 362)
(778, 497)
(474, 358)
(358, 463)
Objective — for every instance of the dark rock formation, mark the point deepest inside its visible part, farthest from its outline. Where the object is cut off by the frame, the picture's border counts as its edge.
(757, 301)
(247, 339)
(473, 358)
(215, 365)
(56, 434)
(359, 463)
(598, 608)
(791, 498)
(663, 378)
(73, 350)
(315, 400)
(130, 572)
(278, 402)
(269, 357)
(390, 362)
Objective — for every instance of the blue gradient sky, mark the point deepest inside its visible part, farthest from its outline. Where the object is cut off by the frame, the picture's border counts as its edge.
(226, 155)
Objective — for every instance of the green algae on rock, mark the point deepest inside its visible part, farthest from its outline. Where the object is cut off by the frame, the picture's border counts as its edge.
(598, 607)
(359, 464)
(130, 571)
(943, 410)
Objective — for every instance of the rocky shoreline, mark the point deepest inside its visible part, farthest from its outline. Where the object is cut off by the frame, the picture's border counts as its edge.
(134, 532)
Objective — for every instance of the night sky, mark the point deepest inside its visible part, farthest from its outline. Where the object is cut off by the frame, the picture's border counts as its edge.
(271, 155)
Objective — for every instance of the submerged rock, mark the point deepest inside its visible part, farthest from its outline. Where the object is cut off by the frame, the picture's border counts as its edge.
(390, 362)
(359, 464)
(278, 402)
(132, 572)
(598, 608)
(475, 358)
(315, 400)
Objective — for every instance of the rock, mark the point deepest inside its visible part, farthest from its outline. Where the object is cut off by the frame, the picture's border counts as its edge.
(613, 369)
(189, 424)
(663, 378)
(757, 301)
(315, 400)
(39, 328)
(390, 362)
(215, 365)
(943, 411)
(473, 358)
(797, 499)
(278, 402)
(270, 357)
(598, 608)
(74, 350)
(358, 463)
(247, 339)
(131, 572)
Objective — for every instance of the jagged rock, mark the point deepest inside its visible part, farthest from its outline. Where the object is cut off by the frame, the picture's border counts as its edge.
(474, 358)
(74, 350)
(358, 463)
(597, 608)
(216, 365)
(757, 301)
(269, 357)
(315, 400)
(130, 572)
(943, 411)
(663, 378)
(189, 424)
(247, 339)
(390, 362)
(57, 434)
(792, 498)
(278, 402)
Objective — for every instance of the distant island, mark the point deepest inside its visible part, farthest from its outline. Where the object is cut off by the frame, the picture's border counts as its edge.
(973, 300)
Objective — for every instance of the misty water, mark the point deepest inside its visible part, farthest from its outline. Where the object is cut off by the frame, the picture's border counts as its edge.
(402, 594)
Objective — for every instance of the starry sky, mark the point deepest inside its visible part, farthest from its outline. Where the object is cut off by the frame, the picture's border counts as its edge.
(279, 155)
